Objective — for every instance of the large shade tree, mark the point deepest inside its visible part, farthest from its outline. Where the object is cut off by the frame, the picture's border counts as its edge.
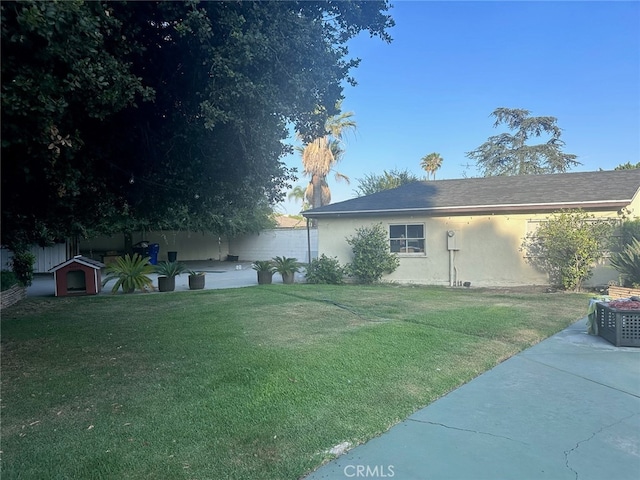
(122, 115)
(510, 153)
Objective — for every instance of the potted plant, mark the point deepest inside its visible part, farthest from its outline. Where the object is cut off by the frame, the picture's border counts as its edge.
(196, 280)
(265, 271)
(287, 267)
(131, 273)
(167, 272)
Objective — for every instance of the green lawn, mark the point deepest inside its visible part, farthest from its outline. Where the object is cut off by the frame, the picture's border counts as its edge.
(246, 383)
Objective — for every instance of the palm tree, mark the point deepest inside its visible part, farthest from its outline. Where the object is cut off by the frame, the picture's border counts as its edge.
(431, 163)
(320, 156)
(298, 194)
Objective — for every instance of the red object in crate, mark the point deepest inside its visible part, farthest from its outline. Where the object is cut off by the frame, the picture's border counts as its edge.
(625, 304)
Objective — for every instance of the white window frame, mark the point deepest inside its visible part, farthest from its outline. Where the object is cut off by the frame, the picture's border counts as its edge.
(411, 247)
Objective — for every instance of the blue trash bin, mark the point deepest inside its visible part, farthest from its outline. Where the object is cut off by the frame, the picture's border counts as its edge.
(154, 248)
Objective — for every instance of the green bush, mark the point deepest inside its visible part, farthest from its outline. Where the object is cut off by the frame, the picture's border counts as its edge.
(263, 266)
(285, 265)
(8, 280)
(170, 269)
(22, 265)
(627, 263)
(325, 270)
(567, 246)
(629, 230)
(371, 256)
(131, 273)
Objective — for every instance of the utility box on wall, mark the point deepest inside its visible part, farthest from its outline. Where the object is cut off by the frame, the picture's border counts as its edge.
(77, 276)
(452, 240)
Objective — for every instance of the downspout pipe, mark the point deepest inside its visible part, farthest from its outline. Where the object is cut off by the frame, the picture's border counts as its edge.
(308, 242)
(451, 269)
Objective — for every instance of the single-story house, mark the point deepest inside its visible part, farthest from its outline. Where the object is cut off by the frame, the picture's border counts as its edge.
(448, 232)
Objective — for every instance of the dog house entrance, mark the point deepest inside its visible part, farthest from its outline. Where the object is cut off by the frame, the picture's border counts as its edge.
(76, 281)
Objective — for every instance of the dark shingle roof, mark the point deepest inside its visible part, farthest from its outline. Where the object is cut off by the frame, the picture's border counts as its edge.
(589, 190)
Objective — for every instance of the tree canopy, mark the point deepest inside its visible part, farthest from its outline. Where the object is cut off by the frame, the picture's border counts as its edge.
(628, 166)
(509, 154)
(122, 115)
(373, 183)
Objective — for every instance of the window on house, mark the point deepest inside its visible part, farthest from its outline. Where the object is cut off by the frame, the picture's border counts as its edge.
(407, 238)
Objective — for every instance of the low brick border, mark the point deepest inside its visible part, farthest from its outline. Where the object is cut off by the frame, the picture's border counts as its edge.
(12, 296)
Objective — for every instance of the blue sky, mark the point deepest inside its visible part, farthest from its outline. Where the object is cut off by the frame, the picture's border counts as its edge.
(453, 63)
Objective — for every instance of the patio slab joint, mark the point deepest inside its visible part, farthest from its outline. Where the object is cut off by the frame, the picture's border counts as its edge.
(582, 377)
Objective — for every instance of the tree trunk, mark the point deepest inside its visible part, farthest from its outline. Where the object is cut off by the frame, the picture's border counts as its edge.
(316, 181)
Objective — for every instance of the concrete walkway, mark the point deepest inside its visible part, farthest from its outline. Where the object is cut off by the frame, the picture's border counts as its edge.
(567, 408)
(217, 275)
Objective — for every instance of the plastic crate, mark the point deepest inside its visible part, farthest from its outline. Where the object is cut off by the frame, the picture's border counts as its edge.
(620, 327)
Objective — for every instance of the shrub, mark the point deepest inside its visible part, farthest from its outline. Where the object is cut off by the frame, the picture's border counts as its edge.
(131, 273)
(630, 230)
(170, 269)
(627, 263)
(263, 266)
(325, 270)
(22, 266)
(286, 265)
(567, 245)
(371, 256)
(8, 280)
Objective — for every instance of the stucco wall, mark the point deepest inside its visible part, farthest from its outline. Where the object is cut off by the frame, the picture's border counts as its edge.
(198, 246)
(189, 245)
(489, 249)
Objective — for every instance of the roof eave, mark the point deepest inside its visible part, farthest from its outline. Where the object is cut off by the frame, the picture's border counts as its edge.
(479, 209)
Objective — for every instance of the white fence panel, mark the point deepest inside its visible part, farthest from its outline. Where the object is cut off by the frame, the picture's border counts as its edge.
(276, 242)
(46, 257)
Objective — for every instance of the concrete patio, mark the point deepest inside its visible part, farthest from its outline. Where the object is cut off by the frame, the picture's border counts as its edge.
(567, 408)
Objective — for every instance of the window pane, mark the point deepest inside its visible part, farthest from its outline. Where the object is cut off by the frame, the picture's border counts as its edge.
(396, 245)
(416, 246)
(397, 231)
(415, 231)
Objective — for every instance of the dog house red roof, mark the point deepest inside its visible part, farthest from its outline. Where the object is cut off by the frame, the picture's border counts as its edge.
(77, 276)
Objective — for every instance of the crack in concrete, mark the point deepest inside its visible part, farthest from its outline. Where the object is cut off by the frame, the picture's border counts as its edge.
(593, 435)
(467, 430)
